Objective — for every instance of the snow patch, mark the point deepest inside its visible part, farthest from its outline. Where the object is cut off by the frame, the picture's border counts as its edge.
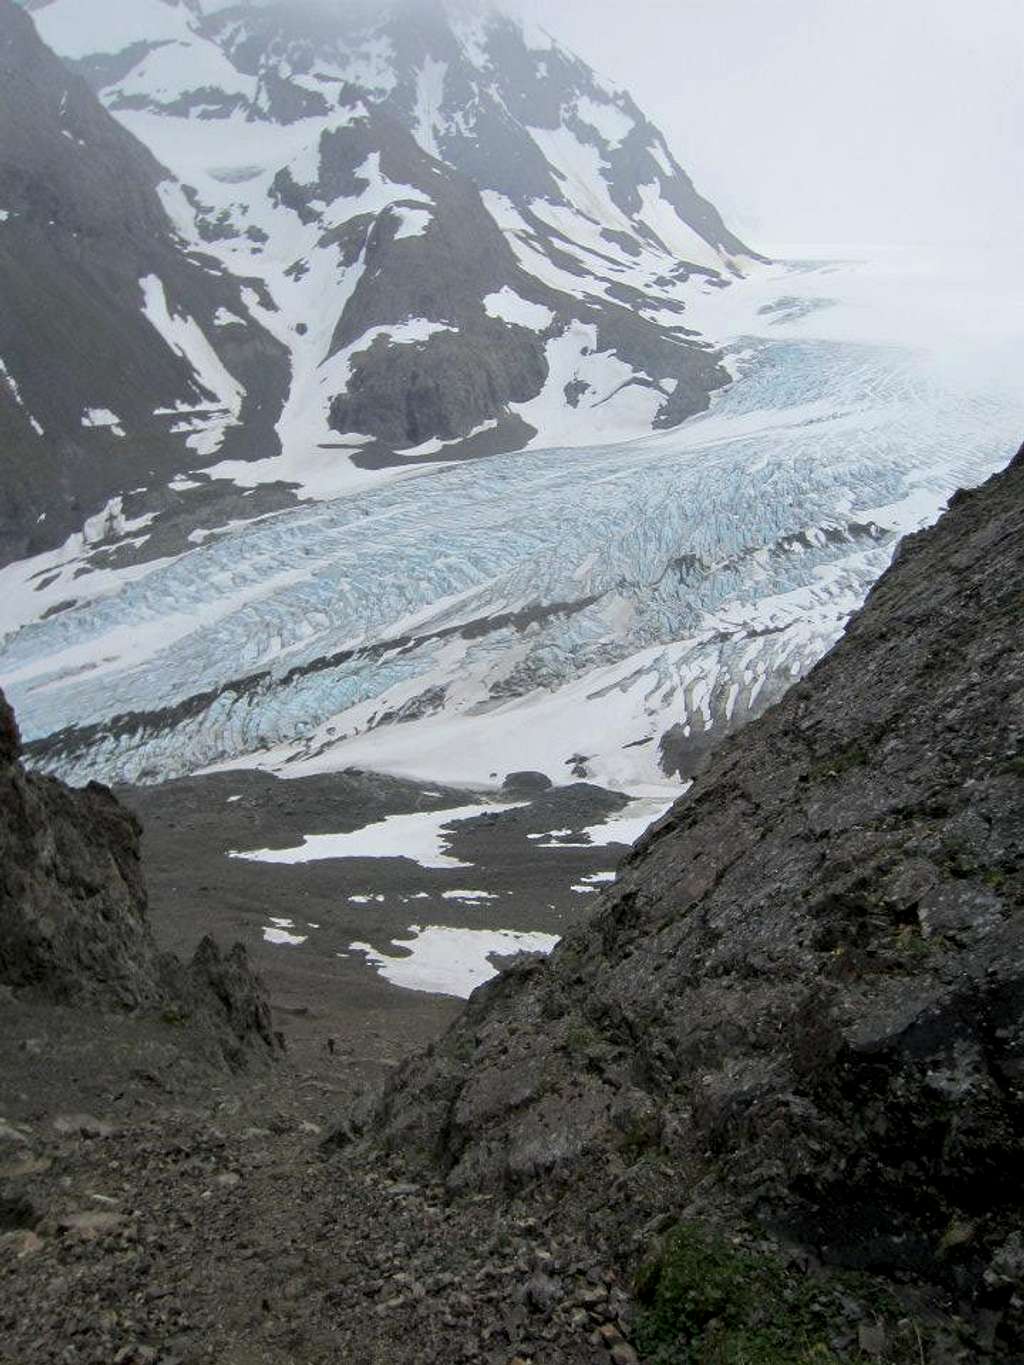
(422, 837)
(677, 236)
(336, 371)
(510, 307)
(613, 123)
(184, 336)
(412, 222)
(590, 396)
(659, 150)
(429, 101)
(622, 829)
(443, 961)
(183, 67)
(79, 30)
(103, 418)
(582, 171)
(283, 938)
(15, 391)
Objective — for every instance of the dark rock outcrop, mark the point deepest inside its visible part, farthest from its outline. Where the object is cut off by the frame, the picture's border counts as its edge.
(802, 1003)
(527, 784)
(73, 923)
(10, 739)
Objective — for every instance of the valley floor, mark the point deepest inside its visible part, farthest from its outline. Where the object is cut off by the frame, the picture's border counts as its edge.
(180, 1221)
(156, 1209)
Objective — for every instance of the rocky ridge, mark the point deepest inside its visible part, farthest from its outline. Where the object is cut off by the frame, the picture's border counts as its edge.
(799, 1007)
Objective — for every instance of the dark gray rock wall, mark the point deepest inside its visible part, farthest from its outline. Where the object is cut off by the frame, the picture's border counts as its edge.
(73, 921)
(803, 999)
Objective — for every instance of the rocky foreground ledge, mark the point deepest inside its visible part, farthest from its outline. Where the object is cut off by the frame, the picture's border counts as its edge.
(73, 916)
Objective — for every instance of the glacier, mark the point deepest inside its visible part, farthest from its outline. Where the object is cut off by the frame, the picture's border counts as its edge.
(585, 611)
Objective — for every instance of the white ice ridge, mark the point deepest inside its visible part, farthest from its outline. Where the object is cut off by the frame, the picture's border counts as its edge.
(445, 961)
(423, 836)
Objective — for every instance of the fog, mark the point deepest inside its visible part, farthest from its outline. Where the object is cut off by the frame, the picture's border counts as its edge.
(827, 121)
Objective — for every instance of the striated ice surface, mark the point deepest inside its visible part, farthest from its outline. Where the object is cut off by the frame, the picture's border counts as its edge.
(553, 609)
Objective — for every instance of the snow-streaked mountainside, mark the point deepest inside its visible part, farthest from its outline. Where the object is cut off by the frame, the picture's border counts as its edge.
(109, 379)
(441, 237)
(362, 237)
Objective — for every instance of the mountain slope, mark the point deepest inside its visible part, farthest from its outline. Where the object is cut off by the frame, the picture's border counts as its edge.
(109, 375)
(467, 242)
(802, 1002)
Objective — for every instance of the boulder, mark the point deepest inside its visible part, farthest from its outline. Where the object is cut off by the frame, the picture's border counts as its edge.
(526, 784)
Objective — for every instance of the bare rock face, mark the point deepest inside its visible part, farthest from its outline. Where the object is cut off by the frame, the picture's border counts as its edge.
(10, 739)
(802, 1002)
(73, 923)
(72, 898)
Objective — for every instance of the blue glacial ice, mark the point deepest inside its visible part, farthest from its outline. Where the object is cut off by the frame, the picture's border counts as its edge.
(529, 606)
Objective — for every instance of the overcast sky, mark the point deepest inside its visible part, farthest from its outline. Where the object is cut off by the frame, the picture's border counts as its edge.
(819, 121)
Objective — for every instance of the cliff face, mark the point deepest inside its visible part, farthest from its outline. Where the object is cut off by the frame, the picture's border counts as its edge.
(802, 1002)
(95, 401)
(73, 924)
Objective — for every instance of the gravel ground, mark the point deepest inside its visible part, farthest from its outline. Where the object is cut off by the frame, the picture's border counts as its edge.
(156, 1208)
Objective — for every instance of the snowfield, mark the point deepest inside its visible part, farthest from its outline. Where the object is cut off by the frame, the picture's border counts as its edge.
(421, 837)
(447, 961)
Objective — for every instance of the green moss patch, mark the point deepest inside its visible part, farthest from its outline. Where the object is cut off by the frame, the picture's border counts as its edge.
(705, 1301)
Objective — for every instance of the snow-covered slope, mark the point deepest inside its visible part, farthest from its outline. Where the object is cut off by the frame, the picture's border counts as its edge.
(466, 240)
